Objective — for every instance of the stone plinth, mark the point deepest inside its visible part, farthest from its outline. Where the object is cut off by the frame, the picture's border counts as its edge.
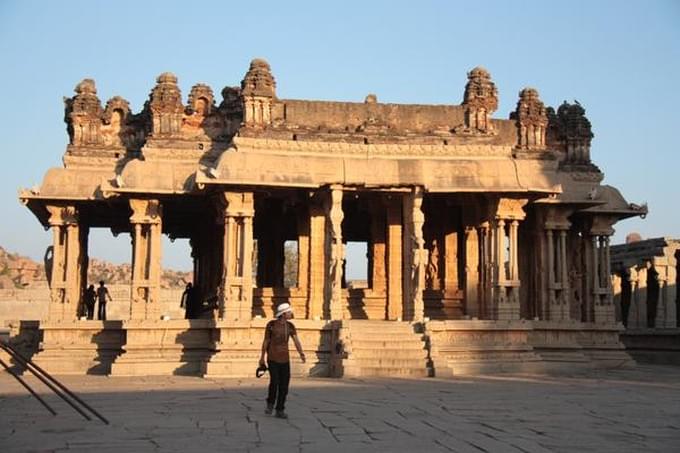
(174, 347)
(472, 347)
(238, 347)
(661, 346)
(79, 347)
(569, 344)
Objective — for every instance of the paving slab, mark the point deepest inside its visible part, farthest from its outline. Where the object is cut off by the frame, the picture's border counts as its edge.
(636, 409)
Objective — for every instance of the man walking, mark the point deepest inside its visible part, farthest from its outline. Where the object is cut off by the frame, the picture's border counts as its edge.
(102, 296)
(275, 346)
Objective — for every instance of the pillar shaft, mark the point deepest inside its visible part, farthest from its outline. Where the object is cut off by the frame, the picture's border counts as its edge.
(146, 269)
(236, 286)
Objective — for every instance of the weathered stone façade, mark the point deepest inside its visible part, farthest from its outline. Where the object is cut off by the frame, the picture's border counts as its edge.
(490, 237)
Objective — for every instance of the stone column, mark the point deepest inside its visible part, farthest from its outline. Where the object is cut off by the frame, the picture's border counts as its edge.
(236, 286)
(505, 300)
(670, 291)
(65, 290)
(336, 253)
(317, 261)
(147, 221)
(472, 280)
(665, 311)
(603, 309)
(414, 248)
(397, 284)
(637, 316)
(485, 271)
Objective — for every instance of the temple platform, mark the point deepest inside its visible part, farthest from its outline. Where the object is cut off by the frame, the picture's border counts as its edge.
(334, 348)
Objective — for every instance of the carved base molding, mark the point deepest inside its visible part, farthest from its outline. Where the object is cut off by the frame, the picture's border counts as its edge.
(79, 347)
(659, 346)
(232, 348)
(474, 347)
(176, 347)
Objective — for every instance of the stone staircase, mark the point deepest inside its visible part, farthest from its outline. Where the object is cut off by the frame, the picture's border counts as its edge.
(383, 348)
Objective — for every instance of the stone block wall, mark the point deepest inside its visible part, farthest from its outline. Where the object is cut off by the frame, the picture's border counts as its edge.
(33, 303)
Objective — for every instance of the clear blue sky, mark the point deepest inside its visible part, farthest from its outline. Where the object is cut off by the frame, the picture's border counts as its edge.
(620, 59)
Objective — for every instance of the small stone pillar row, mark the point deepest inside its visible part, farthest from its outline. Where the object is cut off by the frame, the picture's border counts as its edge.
(147, 225)
(236, 287)
(68, 259)
(415, 255)
(601, 303)
(336, 252)
(666, 316)
(553, 266)
(503, 247)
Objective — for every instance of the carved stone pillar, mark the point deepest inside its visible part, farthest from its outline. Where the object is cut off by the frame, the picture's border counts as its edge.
(505, 284)
(147, 223)
(472, 277)
(666, 310)
(485, 273)
(235, 296)
(414, 249)
(603, 309)
(397, 284)
(670, 295)
(317, 260)
(557, 278)
(65, 284)
(638, 296)
(336, 253)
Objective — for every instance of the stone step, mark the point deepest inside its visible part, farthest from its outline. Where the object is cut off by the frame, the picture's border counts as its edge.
(385, 362)
(386, 336)
(378, 344)
(384, 327)
(359, 371)
(361, 352)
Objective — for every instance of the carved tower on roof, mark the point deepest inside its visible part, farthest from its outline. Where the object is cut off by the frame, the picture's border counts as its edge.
(258, 89)
(480, 101)
(83, 115)
(532, 120)
(165, 104)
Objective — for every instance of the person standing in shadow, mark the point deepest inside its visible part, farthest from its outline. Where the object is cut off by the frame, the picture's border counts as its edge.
(103, 296)
(90, 300)
(275, 346)
(188, 302)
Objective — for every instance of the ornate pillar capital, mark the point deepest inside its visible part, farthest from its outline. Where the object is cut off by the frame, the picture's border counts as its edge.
(145, 211)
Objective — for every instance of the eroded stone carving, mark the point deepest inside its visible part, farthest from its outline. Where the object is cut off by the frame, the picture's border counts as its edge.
(165, 105)
(480, 101)
(258, 90)
(570, 131)
(532, 120)
(83, 115)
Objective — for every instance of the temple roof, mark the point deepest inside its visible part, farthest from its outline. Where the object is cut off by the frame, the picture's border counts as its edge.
(253, 138)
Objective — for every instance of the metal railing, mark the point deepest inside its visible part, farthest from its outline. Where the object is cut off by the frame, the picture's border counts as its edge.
(43, 376)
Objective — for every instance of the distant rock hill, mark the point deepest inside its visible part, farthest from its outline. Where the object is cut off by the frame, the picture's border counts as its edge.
(18, 271)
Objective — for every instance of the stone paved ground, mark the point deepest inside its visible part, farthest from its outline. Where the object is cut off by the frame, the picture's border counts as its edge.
(618, 411)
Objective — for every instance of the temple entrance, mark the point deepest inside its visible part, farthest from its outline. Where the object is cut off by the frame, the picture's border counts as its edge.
(372, 224)
(280, 251)
(444, 272)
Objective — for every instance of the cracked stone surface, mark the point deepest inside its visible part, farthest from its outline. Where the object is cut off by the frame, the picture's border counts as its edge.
(624, 410)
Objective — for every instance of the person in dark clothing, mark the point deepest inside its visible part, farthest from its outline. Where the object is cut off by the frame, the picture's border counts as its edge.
(188, 302)
(275, 346)
(102, 295)
(90, 300)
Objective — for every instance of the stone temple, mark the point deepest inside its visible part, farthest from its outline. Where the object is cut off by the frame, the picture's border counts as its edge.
(487, 239)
